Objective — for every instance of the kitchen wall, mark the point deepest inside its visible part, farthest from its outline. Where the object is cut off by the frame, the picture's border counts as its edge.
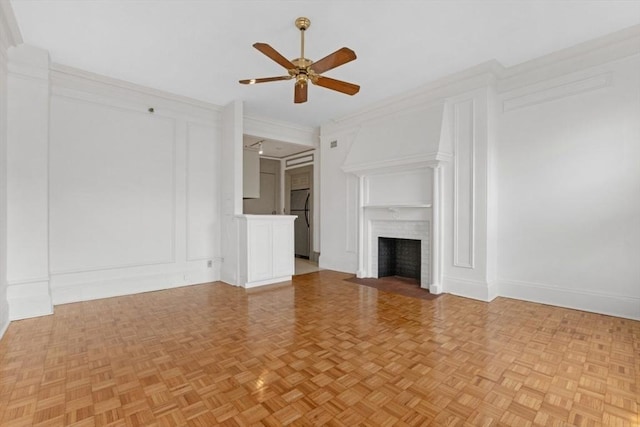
(542, 196)
(270, 194)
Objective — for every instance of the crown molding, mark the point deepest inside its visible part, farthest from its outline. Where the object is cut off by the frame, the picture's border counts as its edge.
(28, 62)
(576, 58)
(399, 164)
(63, 76)
(555, 89)
(481, 75)
(598, 51)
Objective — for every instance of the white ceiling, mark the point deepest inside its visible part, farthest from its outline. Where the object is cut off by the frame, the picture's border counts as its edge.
(200, 48)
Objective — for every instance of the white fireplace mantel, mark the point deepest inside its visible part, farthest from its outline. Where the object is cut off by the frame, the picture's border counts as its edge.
(415, 219)
(399, 163)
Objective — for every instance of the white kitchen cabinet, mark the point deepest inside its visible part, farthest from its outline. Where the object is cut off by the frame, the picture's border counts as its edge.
(266, 249)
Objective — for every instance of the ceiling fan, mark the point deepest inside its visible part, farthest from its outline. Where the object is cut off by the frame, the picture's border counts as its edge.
(304, 70)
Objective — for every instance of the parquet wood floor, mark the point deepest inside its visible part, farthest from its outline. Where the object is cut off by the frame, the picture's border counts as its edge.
(323, 351)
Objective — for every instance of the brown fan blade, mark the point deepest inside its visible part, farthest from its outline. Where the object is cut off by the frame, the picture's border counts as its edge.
(337, 58)
(337, 85)
(264, 80)
(274, 55)
(300, 94)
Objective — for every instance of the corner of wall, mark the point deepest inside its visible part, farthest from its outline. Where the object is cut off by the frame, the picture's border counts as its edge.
(9, 36)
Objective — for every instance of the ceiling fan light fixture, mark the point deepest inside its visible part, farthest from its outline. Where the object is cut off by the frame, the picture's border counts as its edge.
(305, 70)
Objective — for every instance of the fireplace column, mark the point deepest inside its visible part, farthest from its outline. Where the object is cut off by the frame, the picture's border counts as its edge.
(436, 231)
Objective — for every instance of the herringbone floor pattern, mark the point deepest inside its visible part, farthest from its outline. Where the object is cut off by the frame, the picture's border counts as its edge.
(321, 352)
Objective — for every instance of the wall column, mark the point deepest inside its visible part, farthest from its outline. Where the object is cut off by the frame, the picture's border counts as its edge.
(435, 287)
(28, 291)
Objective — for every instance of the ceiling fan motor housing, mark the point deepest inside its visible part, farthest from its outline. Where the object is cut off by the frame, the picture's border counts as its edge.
(303, 23)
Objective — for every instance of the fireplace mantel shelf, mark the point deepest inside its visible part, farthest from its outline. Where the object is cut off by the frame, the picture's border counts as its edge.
(410, 205)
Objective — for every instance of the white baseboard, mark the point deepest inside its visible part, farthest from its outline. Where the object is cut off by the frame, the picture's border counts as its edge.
(267, 282)
(434, 288)
(474, 289)
(3, 328)
(596, 302)
(29, 299)
(338, 264)
(64, 293)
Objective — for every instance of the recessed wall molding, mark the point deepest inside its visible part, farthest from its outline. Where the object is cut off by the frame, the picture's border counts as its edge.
(351, 212)
(201, 192)
(464, 184)
(113, 267)
(140, 151)
(555, 90)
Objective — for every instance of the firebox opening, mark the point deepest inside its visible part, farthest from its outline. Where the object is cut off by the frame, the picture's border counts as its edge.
(399, 257)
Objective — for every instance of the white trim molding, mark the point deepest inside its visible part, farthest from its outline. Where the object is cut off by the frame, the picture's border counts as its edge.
(552, 91)
(464, 182)
(30, 298)
(69, 288)
(596, 302)
(475, 289)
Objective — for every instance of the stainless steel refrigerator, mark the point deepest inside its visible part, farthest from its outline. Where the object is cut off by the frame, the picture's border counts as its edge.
(301, 206)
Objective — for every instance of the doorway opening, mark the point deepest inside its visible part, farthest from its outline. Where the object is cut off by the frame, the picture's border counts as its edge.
(299, 188)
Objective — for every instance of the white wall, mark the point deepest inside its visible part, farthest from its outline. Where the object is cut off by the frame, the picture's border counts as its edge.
(338, 204)
(9, 36)
(542, 197)
(28, 278)
(569, 185)
(4, 306)
(231, 188)
(132, 197)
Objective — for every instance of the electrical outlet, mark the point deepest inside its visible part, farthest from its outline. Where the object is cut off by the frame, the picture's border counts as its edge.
(209, 264)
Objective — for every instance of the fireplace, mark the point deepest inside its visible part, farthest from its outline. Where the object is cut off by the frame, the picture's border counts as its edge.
(417, 232)
(399, 257)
